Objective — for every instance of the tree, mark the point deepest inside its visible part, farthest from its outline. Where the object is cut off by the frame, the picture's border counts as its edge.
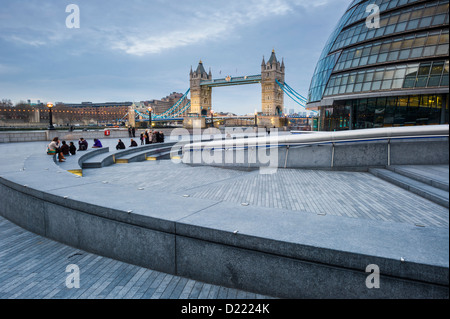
(6, 103)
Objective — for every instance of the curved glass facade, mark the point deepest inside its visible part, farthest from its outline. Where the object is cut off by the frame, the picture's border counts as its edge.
(406, 55)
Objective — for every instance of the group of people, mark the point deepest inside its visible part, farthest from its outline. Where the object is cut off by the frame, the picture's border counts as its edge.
(62, 149)
(131, 131)
(149, 137)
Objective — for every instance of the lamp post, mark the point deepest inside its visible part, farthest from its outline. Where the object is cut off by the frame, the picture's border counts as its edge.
(212, 118)
(256, 118)
(150, 117)
(50, 115)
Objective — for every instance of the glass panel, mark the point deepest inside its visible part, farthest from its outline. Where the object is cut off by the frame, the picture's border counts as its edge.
(439, 19)
(434, 39)
(385, 47)
(358, 87)
(403, 101)
(419, 41)
(365, 51)
(397, 84)
(437, 68)
(369, 76)
(366, 86)
(421, 81)
(407, 43)
(434, 80)
(416, 14)
(416, 53)
(429, 11)
(442, 49)
(424, 69)
(351, 78)
(382, 57)
(428, 51)
(401, 27)
(386, 84)
(393, 56)
(364, 60)
(400, 73)
(376, 85)
(412, 70)
(373, 59)
(375, 49)
(360, 77)
(404, 54)
(379, 32)
(409, 82)
(355, 63)
(393, 19)
(413, 101)
(404, 16)
(378, 75)
(412, 24)
(390, 29)
(444, 81)
(396, 45)
(425, 22)
(443, 8)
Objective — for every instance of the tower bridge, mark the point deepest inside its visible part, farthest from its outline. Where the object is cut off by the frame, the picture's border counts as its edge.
(272, 98)
(201, 84)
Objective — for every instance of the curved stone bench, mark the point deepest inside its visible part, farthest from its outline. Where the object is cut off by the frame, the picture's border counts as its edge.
(110, 158)
(270, 251)
(161, 152)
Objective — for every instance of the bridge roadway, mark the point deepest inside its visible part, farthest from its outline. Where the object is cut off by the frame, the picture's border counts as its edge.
(361, 196)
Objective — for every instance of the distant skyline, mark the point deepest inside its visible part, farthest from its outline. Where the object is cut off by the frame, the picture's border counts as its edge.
(142, 50)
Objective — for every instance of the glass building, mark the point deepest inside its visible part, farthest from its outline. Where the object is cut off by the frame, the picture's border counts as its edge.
(394, 73)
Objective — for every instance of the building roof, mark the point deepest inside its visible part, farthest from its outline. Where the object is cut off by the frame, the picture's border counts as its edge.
(273, 58)
(200, 68)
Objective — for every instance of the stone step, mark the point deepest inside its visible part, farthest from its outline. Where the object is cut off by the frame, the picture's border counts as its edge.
(428, 175)
(429, 192)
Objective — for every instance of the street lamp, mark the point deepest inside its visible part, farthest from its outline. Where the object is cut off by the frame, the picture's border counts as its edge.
(149, 117)
(50, 106)
(212, 118)
(256, 118)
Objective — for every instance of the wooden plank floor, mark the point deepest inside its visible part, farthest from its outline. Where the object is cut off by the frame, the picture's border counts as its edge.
(34, 267)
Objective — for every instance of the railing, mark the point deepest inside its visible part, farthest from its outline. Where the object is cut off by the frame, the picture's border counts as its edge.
(329, 137)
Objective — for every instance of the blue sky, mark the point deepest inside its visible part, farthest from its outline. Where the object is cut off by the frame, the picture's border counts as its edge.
(143, 49)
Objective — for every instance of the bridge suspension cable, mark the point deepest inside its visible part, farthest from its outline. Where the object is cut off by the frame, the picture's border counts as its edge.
(296, 97)
(171, 112)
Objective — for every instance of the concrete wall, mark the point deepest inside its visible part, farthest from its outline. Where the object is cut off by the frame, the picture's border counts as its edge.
(34, 136)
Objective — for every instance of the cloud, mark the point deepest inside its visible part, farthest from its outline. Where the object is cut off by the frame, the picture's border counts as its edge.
(19, 40)
(205, 23)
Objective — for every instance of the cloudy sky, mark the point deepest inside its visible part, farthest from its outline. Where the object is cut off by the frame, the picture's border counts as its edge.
(143, 49)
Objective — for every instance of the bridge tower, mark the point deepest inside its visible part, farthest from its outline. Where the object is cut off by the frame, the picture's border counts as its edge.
(272, 95)
(200, 95)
